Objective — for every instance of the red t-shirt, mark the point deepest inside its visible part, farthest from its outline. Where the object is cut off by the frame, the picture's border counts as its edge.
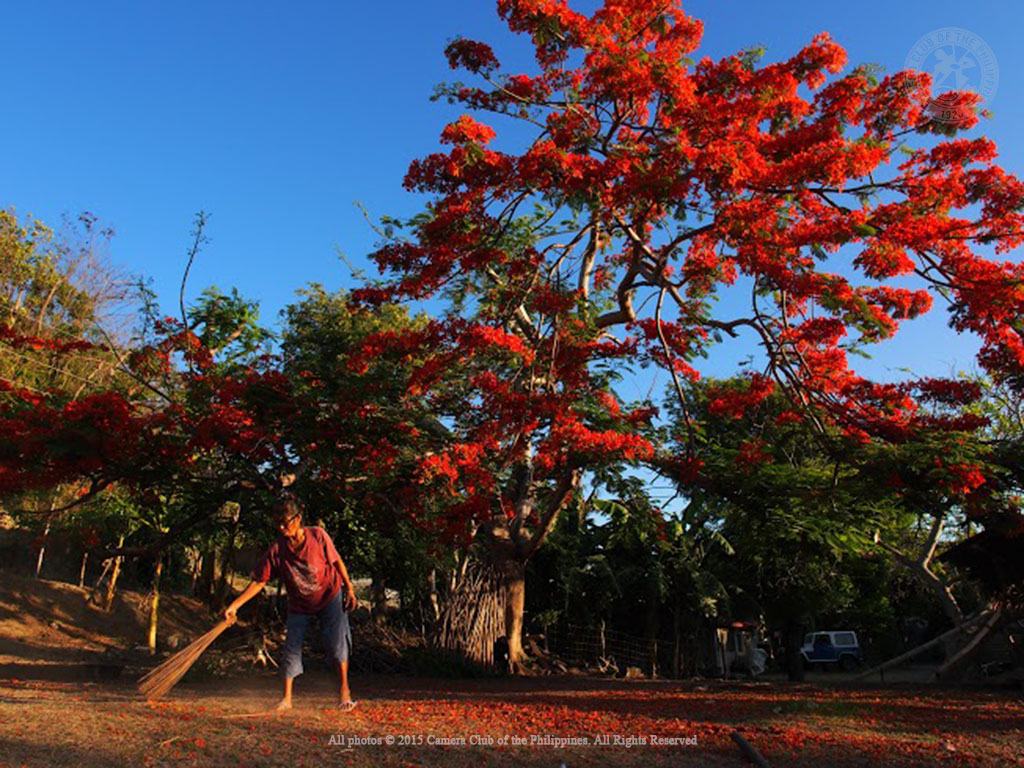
(308, 574)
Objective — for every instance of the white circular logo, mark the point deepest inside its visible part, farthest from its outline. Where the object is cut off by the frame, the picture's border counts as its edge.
(958, 61)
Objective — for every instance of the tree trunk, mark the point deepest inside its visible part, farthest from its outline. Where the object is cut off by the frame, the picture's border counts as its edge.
(651, 628)
(956, 666)
(196, 558)
(944, 637)
(453, 575)
(379, 600)
(920, 566)
(677, 638)
(435, 604)
(94, 597)
(794, 662)
(208, 575)
(81, 573)
(112, 585)
(227, 557)
(510, 545)
(514, 573)
(220, 596)
(154, 605)
(42, 548)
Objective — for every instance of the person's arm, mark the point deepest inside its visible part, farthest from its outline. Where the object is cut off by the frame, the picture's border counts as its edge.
(346, 582)
(254, 588)
(265, 568)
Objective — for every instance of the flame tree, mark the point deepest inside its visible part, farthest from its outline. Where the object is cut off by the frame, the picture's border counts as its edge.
(652, 185)
(834, 204)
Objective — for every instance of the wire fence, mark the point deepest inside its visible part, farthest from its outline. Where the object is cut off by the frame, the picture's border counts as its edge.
(602, 647)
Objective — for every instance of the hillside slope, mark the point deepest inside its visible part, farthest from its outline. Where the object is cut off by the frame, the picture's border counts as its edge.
(50, 623)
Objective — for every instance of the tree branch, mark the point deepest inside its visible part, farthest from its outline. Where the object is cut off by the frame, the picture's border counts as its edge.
(563, 492)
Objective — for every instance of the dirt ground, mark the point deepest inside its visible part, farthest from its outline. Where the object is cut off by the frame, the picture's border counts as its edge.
(418, 722)
(52, 627)
(55, 709)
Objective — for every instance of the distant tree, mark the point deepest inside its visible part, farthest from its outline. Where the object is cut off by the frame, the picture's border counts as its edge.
(356, 440)
(56, 290)
(62, 306)
(799, 506)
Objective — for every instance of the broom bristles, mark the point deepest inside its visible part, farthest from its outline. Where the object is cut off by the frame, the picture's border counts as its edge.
(159, 680)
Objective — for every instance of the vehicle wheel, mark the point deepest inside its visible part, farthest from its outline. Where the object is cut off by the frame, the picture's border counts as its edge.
(848, 663)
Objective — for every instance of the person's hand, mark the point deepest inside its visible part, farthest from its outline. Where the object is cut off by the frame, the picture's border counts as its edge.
(350, 599)
(231, 614)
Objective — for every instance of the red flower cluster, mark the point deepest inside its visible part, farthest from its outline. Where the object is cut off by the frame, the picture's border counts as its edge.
(671, 182)
(960, 480)
(653, 187)
(17, 340)
(471, 55)
(751, 453)
(466, 130)
(733, 403)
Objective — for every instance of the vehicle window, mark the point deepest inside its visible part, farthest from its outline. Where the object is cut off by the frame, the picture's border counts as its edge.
(822, 640)
(807, 638)
(845, 638)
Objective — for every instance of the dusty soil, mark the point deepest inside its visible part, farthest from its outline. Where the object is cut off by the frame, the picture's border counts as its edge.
(50, 629)
(53, 714)
(224, 723)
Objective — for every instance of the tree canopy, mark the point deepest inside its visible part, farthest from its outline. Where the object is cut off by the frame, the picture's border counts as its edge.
(660, 206)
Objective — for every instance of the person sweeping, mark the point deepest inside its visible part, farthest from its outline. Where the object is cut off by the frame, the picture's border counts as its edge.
(317, 582)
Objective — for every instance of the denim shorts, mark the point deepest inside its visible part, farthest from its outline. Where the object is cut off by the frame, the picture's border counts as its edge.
(336, 635)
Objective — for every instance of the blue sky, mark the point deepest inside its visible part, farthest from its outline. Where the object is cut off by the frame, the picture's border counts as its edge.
(276, 118)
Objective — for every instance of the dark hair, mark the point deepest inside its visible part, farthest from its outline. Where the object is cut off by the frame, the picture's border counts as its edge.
(286, 507)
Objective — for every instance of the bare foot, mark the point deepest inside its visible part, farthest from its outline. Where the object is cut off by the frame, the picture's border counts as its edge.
(283, 705)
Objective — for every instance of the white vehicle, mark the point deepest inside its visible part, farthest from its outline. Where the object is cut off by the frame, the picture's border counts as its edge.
(832, 647)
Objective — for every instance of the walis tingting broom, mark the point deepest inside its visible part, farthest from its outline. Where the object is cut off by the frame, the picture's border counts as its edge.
(160, 680)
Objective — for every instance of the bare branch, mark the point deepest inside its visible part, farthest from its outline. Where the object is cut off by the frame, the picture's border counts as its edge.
(197, 242)
(563, 492)
(670, 364)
